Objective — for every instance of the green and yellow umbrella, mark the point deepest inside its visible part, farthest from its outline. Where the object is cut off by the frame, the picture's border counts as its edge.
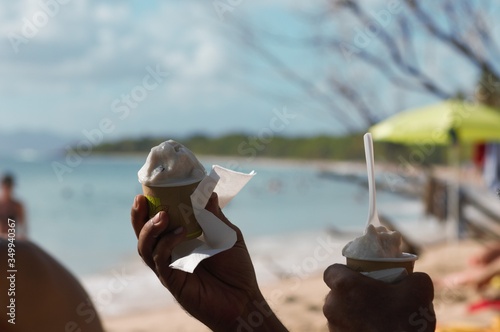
(444, 123)
(441, 123)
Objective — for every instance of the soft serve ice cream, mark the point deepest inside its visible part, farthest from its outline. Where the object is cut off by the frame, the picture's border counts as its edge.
(377, 242)
(169, 177)
(378, 254)
(171, 164)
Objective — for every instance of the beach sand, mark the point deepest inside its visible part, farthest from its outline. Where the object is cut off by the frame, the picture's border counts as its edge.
(451, 302)
(298, 302)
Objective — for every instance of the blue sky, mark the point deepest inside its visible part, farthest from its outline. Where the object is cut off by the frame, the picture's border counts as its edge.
(165, 68)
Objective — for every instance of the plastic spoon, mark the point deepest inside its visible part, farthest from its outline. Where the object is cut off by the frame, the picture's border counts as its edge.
(372, 210)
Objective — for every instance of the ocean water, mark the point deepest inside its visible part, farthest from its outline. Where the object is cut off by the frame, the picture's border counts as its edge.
(286, 213)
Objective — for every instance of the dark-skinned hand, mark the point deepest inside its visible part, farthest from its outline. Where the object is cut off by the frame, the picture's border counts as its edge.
(358, 303)
(222, 292)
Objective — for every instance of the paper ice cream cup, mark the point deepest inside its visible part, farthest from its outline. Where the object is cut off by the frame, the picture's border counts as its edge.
(176, 201)
(407, 261)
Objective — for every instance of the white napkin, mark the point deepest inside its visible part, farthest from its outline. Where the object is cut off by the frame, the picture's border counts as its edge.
(388, 275)
(217, 236)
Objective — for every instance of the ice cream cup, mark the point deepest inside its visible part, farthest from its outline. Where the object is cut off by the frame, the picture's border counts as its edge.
(406, 261)
(176, 201)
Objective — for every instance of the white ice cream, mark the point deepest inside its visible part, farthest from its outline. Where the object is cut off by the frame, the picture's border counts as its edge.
(171, 164)
(375, 243)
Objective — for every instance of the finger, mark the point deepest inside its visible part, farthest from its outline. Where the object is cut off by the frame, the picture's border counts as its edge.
(421, 284)
(162, 256)
(213, 206)
(339, 276)
(148, 237)
(139, 214)
(331, 274)
(329, 307)
(416, 290)
(335, 314)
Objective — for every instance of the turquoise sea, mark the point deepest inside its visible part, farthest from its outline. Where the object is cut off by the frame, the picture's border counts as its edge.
(285, 212)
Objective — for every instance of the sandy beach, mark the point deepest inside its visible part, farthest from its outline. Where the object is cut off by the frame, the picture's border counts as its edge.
(299, 304)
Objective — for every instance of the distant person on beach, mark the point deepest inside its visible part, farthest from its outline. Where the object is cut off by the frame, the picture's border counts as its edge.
(478, 156)
(223, 292)
(483, 267)
(10, 208)
(38, 294)
(492, 165)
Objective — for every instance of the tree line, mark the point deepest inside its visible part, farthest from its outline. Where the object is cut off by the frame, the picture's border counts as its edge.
(322, 147)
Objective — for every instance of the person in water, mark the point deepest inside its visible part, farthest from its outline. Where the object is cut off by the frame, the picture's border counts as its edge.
(11, 208)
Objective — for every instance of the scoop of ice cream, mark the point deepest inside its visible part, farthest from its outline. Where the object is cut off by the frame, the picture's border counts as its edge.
(171, 164)
(377, 242)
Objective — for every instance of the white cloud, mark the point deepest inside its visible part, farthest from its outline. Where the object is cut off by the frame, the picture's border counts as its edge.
(96, 40)
(98, 32)
(91, 52)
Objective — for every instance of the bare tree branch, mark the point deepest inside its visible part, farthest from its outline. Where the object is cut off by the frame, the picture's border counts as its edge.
(448, 39)
(309, 88)
(407, 37)
(462, 25)
(355, 99)
(396, 55)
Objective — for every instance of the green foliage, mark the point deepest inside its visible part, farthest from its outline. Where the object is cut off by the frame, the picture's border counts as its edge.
(317, 147)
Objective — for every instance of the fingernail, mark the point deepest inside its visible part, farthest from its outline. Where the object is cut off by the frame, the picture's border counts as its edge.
(178, 230)
(157, 218)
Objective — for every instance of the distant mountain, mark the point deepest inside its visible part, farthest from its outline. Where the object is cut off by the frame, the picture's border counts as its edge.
(32, 144)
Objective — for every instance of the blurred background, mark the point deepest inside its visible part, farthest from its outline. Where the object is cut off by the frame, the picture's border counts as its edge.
(88, 87)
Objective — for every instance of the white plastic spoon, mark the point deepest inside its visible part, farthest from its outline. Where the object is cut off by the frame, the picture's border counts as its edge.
(370, 165)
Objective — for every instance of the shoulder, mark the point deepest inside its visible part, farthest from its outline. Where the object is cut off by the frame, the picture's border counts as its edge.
(47, 293)
(19, 207)
(18, 203)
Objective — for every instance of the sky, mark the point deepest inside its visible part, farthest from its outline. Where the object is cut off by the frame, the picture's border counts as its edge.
(134, 68)
(149, 68)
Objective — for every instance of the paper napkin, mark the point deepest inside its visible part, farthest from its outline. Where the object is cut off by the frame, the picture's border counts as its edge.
(217, 236)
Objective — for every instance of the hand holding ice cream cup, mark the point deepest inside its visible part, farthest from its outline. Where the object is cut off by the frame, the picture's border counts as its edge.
(378, 249)
(169, 176)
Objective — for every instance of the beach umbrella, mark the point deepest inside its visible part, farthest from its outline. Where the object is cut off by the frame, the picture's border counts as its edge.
(441, 123)
(450, 122)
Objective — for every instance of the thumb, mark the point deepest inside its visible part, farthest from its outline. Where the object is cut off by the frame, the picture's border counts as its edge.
(213, 206)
